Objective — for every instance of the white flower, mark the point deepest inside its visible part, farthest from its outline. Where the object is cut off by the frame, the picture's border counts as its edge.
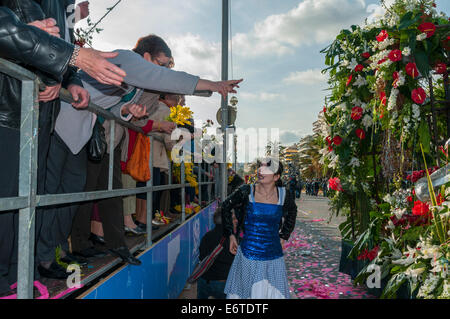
(406, 51)
(399, 212)
(352, 64)
(367, 121)
(415, 111)
(421, 37)
(414, 273)
(410, 257)
(356, 102)
(360, 81)
(345, 63)
(354, 162)
(392, 102)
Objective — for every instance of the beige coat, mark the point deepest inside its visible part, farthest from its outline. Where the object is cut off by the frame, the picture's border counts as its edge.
(160, 158)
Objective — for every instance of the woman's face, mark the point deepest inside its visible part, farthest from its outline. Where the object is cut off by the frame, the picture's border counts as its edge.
(266, 174)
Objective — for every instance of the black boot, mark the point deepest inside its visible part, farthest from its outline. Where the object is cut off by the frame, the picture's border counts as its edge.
(125, 255)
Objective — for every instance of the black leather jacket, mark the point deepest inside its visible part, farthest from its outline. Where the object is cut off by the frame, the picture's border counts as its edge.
(34, 49)
(238, 201)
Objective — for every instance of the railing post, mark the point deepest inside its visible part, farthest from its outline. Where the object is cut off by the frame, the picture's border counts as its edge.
(183, 191)
(28, 188)
(199, 184)
(150, 197)
(111, 154)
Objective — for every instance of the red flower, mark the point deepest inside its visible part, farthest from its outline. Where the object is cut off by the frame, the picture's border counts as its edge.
(330, 148)
(324, 109)
(356, 113)
(420, 209)
(337, 140)
(410, 199)
(395, 55)
(80, 43)
(383, 97)
(349, 79)
(382, 60)
(328, 139)
(373, 253)
(335, 184)
(440, 68)
(395, 76)
(359, 68)
(366, 55)
(428, 28)
(419, 95)
(369, 254)
(382, 36)
(439, 199)
(411, 70)
(360, 133)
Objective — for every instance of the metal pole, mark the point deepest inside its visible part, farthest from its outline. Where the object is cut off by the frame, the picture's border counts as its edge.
(112, 133)
(150, 197)
(27, 187)
(183, 191)
(223, 175)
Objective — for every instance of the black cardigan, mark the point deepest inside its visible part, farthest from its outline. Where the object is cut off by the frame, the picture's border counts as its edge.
(238, 201)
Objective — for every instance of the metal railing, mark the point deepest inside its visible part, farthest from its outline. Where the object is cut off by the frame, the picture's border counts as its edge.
(27, 200)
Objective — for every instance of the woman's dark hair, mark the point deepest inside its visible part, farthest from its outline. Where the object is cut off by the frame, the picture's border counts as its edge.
(153, 45)
(273, 164)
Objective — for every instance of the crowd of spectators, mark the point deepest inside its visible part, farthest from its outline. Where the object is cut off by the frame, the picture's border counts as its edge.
(136, 85)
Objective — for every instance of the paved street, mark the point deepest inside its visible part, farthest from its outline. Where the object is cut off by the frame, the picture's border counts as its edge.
(313, 252)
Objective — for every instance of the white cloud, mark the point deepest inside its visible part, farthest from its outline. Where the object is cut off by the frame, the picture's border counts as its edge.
(262, 96)
(308, 77)
(195, 55)
(312, 21)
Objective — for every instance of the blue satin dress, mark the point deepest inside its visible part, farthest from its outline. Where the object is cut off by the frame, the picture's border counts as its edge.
(258, 270)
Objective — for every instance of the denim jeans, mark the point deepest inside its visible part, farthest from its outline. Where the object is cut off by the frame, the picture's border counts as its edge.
(213, 288)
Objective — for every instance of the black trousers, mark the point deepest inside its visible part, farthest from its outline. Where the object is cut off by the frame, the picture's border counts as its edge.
(110, 210)
(9, 187)
(66, 173)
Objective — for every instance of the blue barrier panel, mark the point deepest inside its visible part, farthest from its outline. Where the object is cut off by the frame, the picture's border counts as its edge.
(165, 267)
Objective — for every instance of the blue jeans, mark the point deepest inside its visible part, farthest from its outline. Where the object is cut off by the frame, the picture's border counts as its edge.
(209, 288)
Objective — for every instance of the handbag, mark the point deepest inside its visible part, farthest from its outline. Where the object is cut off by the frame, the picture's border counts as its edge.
(206, 263)
(138, 164)
(97, 144)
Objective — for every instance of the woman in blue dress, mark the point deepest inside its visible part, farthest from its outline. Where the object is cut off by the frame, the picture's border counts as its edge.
(266, 214)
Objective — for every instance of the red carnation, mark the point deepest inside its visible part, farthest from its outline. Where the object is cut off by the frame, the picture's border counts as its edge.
(349, 79)
(382, 36)
(410, 199)
(419, 95)
(337, 140)
(330, 148)
(360, 133)
(359, 68)
(420, 209)
(428, 28)
(366, 55)
(335, 184)
(383, 97)
(411, 70)
(440, 68)
(395, 55)
(356, 113)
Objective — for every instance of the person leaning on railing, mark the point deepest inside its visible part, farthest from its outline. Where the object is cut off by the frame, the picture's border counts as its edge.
(34, 49)
(142, 74)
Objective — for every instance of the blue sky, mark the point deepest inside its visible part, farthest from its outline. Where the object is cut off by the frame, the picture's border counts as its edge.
(275, 45)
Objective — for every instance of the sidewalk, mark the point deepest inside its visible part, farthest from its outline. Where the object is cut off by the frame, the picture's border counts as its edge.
(313, 252)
